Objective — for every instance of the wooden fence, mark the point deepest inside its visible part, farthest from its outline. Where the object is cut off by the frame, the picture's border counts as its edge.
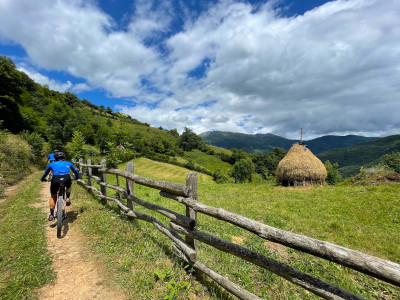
(187, 225)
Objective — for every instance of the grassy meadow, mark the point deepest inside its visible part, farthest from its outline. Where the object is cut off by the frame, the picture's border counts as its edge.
(24, 260)
(363, 218)
(209, 162)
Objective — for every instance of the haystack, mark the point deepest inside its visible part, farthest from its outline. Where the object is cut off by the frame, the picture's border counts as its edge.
(300, 166)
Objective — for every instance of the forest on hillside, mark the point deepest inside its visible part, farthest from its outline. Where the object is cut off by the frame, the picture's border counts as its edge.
(46, 120)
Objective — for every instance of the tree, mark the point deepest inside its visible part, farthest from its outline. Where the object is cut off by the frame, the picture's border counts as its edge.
(242, 170)
(238, 155)
(10, 78)
(103, 136)
(189, 140)
(77, 146)
(71, 99)
(174, 132)
(266, 164)
(392, 161)
(113, 156)
(109, 110)
(334, 175)
(11, 114)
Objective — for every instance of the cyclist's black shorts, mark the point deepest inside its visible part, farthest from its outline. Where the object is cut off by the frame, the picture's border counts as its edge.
(56, 180)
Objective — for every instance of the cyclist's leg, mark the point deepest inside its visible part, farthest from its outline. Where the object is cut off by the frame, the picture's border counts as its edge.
(68, 189)
(52, 202)
(68, 196)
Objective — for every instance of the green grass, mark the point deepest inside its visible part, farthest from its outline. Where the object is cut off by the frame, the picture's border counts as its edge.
(24, 261)
(164, 171)
(209, 162)
(134, 252)
(364, 218)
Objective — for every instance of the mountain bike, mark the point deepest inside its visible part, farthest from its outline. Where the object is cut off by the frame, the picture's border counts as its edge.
(60, 209)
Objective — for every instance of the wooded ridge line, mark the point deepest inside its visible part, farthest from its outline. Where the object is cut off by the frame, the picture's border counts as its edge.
(373, 266)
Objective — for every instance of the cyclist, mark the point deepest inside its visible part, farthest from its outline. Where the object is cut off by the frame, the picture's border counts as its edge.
(51, 158)
(61, 170)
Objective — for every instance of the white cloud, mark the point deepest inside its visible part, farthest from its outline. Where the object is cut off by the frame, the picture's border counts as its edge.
(44, 80)
(334, 69)
(77, 37)
(328, 70)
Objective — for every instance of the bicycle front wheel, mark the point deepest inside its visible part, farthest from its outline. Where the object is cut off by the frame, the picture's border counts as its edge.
(59, 215)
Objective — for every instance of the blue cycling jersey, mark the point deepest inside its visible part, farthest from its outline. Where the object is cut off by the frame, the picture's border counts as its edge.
(51, 157)
(60, 167)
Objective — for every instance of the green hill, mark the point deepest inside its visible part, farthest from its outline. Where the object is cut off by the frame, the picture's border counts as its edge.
(79, 128)
(351, 159)
(264, 143)
(261, 143)
(329, 142)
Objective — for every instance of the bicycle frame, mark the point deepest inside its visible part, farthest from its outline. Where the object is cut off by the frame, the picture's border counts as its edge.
(60, 208)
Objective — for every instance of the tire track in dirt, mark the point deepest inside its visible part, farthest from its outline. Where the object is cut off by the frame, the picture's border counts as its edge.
(78, 276)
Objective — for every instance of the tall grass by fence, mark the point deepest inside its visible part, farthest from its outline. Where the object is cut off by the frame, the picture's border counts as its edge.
(187, 225)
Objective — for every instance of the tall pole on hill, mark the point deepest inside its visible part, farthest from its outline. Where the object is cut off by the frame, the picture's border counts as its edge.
(301, 135)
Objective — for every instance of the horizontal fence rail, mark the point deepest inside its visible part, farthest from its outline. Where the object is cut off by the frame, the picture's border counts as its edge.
(187, 225)
(371, 265)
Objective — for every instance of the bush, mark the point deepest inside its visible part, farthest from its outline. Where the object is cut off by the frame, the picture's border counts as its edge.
(334, 175)
(243, 170)
(219, 177)
(77, 148)
(114, 154)
(392, 161)
(35, 141)
(15, 159)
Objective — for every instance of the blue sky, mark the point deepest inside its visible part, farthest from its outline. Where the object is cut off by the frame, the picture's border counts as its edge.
(242, 66)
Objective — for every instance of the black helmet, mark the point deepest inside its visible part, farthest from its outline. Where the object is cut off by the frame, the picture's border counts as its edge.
(59, 155)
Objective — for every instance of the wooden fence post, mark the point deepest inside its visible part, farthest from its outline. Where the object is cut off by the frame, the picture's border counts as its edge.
(89, 176)
(191, 183)
(130, 167)
(80, 167)
(103, 178)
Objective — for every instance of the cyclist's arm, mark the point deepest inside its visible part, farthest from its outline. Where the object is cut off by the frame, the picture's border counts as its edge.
(48, 169)
(75, 171)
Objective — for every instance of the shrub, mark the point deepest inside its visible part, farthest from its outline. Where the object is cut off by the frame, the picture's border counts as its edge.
(392, 161)
(35, 141)
(114, 154)
(243, 170)
(334, 175)
(77, 148)
(15, 159)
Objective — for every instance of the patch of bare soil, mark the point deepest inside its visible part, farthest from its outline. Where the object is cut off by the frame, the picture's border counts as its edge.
(78, 275)
(277, 249)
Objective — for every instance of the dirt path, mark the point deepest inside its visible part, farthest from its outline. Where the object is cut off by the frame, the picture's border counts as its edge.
(78, 276)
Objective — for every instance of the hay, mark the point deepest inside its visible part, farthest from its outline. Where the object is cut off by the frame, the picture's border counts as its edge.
(300, 166)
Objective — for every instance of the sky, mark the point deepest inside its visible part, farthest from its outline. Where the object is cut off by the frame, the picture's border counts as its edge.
(329, 67)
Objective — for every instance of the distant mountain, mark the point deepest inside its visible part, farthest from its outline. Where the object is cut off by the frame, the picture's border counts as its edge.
(264, 143)
(328, 142)
(351, 159)
(247, 142)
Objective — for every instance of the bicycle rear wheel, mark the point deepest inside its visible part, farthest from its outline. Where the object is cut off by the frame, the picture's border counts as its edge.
(59, 215)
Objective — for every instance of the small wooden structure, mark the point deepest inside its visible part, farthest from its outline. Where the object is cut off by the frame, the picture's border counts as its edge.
(300, 166)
